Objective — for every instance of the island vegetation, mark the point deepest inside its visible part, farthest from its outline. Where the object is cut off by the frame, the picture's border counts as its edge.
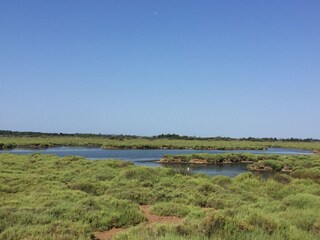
(256, 162)
(49, 197)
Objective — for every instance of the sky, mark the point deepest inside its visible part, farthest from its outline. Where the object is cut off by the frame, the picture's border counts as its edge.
(200, 68)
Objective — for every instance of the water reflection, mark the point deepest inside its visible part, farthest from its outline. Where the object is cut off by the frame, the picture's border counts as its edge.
(230, 170)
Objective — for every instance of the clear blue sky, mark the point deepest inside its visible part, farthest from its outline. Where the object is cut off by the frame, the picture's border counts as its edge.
(206, 68)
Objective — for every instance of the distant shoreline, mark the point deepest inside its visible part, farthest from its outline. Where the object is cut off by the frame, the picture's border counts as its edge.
(8, 143)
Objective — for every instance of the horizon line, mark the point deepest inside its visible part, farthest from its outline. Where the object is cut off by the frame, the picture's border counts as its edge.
(172, 135)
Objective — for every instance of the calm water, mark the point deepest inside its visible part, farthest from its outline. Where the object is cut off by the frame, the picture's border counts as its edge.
(148, 157)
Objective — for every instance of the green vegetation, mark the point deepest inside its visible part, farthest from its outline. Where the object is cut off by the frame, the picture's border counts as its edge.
(48, 197)
(215, 158)
(122, 142)
(7, 133)
(258, 162)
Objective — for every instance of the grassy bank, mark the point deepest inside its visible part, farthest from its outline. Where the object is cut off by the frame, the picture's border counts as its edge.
(149, 143)
(48, 197)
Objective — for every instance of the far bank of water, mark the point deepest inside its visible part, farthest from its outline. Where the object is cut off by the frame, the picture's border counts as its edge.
(148, 157)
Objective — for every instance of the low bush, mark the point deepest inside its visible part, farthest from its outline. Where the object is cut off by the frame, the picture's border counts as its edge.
(170, 209)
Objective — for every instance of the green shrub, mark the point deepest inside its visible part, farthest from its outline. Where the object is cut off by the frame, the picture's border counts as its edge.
(170, 209)
(302, 200)
(267, 224)
(282, 178)
(212, 224)
(85, 187)
(313, 174)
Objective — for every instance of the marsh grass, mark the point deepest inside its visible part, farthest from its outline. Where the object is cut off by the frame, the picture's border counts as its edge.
(49, 197)
(10, 142)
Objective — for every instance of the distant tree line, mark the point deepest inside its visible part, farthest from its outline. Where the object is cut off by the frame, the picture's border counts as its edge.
(8, 133)
(175, 136)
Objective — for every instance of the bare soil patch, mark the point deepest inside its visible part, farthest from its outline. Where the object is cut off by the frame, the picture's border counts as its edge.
(107, 235)
(151, 218)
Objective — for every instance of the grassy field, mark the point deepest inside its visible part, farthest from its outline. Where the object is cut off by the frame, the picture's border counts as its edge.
(149, 143)
(48, 197)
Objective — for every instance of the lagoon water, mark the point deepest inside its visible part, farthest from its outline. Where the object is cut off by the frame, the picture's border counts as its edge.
(148, 157)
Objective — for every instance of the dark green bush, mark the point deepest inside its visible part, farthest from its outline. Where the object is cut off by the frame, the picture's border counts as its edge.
(212, 224)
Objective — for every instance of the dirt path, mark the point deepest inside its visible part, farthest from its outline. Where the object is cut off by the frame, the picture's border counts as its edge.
(107, 235)
(151, 218)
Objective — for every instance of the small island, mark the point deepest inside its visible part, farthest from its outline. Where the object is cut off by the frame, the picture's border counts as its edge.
(255, 162)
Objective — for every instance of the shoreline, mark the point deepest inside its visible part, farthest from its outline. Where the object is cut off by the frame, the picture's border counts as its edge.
(254, 162)
(35, 147)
